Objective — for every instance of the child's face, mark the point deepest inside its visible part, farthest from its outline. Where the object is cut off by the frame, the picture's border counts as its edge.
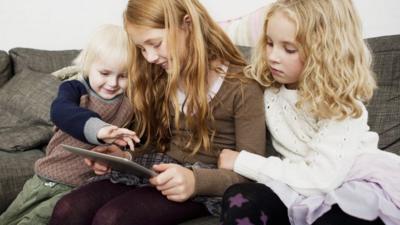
(283, 56)
(152, 43)
(108, 78)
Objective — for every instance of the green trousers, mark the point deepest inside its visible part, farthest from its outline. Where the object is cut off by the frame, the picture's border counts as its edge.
(35, 203)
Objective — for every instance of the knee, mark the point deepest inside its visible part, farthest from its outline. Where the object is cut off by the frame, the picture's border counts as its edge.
(234, 189)
(63, 209)
(109, 215)
(249, 193)
(244, 188)
(237, 193)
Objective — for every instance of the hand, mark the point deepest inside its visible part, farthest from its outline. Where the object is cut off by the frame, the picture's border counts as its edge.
(174, 181)
(227, 159)
(119, 136)
(100, 168)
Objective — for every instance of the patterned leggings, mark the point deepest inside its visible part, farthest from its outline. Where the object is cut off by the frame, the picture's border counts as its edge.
(257, 204)
(252, 204)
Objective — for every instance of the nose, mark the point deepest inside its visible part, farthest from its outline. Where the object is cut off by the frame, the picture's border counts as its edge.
(112, 81)
(273, 55)
(151, 56)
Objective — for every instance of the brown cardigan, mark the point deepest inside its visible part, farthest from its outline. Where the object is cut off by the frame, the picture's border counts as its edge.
(239, 123)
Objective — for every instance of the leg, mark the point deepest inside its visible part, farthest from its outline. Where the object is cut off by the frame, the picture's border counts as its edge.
(41, 214)
(252, 203)
(80, 206)
(336, 216)
(34, 204)
(147, 206)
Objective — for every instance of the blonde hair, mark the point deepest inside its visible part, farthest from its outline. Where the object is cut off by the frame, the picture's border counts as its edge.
(337, 62)
(153, 92)
(109, 42)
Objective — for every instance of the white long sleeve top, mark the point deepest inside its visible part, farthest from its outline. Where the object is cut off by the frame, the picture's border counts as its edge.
(316, 155)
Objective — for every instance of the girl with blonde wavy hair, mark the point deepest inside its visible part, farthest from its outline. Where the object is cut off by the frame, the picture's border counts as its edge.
(316, 70)
(191, 99)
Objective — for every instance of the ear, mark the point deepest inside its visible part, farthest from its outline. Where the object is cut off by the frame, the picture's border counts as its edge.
(186, 22)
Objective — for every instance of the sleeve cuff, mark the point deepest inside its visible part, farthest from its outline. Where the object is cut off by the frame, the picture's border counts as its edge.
(248, 165)
(214, 182)
(201, 187)
(92, 127)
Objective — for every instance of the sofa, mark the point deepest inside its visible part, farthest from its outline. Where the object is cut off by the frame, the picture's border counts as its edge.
(27, 89)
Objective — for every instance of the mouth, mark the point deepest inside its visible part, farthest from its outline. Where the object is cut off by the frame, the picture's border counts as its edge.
(110, 91)
(276, 71)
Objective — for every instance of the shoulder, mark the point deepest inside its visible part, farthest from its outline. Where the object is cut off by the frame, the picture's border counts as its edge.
(244, 86)
(74, 86)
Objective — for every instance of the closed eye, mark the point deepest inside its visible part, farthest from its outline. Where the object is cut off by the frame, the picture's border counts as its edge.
(291, 51)
(104, 73)
(158, 44)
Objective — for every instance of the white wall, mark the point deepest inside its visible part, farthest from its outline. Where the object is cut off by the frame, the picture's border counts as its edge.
(67, 24)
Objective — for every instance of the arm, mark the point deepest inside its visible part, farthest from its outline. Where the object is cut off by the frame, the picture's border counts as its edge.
(66, 112)
(82, 123)
(250, 135)
(331, 154)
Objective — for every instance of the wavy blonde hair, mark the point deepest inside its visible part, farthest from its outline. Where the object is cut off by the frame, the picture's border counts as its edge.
(337, 62)
(153, 92)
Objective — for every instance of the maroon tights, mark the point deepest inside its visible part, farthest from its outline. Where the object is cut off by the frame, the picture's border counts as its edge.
(106, 203)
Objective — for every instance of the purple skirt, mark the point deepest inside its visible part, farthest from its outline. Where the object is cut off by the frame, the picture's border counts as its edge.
(370, 190)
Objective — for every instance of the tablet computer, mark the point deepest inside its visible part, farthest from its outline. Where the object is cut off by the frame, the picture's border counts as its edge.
(116, 163)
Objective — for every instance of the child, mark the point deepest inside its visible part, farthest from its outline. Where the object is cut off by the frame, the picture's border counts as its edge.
(315, 68)
(87, 112)
(191, 100)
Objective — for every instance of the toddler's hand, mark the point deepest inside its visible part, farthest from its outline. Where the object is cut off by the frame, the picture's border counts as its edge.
(227, 159)
(120, 136)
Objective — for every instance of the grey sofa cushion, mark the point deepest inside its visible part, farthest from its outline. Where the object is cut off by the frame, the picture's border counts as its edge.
(5, 68)
(24, 114)
(41, 60)
(246, 52)
(15, 169)
(384, 108)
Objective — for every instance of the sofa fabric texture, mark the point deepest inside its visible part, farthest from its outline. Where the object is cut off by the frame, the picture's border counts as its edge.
(384, 108)
(27, 111)
(40, 60)
(5, 68)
